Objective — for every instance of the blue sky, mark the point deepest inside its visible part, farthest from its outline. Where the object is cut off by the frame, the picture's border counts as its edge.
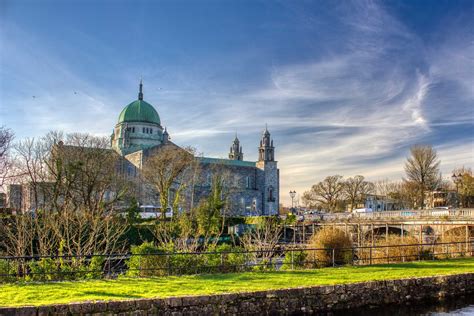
(346, 87)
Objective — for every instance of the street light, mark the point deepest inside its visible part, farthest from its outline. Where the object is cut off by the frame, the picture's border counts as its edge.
(292, 195)
(457, 179)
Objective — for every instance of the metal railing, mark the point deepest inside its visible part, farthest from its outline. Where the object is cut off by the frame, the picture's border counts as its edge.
(66, 267)
(405, 214)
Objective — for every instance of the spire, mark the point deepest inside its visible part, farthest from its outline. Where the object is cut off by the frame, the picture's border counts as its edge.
(166, 136)
(236, 150)
(266, 132)
(140, 93)
(266, 149)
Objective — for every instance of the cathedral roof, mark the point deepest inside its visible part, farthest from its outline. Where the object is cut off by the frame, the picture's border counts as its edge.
(226, 162)
(139, 111)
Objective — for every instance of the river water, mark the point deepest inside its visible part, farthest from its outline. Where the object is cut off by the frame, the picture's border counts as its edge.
(453, 307)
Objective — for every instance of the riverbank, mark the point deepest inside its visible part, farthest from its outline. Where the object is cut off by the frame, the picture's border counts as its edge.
(38, 294)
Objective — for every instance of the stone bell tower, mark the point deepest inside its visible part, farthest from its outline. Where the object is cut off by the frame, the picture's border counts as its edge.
(235, 152)
(269, 175)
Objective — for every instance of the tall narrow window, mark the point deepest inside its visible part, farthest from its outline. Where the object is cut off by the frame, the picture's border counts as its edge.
(249, 184)
(151, 130)
(143, 129)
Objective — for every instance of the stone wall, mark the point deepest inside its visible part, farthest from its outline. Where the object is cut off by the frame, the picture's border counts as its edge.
(277, 302)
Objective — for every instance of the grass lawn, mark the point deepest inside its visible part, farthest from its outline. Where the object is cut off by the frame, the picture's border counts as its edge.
(129, 288)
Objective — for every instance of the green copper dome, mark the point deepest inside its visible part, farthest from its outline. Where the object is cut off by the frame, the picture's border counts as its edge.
(139, 111)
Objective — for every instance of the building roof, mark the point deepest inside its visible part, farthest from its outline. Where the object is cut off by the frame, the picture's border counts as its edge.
(139, 111)
(227, 162)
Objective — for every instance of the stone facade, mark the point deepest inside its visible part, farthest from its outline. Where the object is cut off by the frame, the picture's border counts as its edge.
(253, 187)
(296, 301)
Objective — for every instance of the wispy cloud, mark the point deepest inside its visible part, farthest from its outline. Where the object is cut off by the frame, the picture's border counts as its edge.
(368, 88)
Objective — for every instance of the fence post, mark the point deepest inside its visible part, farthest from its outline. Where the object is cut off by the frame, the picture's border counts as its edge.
(139, 265)
(168, 254)
(370, 255)
(44, 272)
(292, 266)
(294, 234)
(353, 255)
(333, 259)
(222, 262)
(108, 266)
(467, 240)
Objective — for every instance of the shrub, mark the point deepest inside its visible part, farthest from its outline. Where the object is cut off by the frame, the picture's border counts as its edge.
(224, 261)
(8, 270)
(146, 261)
(264, 265)
(182, 263)
(42, 270)
(294, 260)
(329, 239)
(397, 252)
(95, 269)
(455, 235)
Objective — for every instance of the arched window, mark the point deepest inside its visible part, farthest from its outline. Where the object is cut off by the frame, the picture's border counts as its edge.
(249, 182)
(151, 130)
(271, 198)
(143, 130)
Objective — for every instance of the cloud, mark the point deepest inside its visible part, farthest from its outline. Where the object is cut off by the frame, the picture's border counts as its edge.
(368, 90)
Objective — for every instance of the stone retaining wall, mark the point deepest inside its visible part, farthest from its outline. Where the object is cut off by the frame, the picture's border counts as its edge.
(276, 302)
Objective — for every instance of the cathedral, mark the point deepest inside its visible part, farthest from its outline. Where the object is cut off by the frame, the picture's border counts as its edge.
(255, 184)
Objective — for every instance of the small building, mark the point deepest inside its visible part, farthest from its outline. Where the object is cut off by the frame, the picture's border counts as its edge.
(381, 203)
(441, 198)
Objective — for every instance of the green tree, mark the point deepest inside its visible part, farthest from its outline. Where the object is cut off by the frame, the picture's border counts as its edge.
(210, 212)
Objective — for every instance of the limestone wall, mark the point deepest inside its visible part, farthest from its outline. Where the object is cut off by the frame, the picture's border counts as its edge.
(278, 302)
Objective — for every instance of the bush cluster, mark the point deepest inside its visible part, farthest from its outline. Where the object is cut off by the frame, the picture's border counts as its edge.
(150, 260)
(335, 247)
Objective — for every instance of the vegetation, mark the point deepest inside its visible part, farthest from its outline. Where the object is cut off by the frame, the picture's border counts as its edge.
(395, 252)
(128, 288)
(6, 139)
(168, 166)
(422, 170)
(329, 238)
(456, 235)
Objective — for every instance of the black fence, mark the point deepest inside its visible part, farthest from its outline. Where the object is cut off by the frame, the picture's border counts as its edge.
(55, 268)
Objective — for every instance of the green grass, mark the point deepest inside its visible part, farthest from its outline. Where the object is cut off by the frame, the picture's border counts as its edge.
(65, 292)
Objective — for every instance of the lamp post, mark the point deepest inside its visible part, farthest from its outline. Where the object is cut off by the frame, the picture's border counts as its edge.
(457, 179)
(292, 195)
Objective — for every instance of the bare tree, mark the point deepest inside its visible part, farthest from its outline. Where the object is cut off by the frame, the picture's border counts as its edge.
(262, 241)
(166, 169)
(325, 194)
(356, 188)
(422, 168)
(388, 188)
(6, 138)
(76, 184)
